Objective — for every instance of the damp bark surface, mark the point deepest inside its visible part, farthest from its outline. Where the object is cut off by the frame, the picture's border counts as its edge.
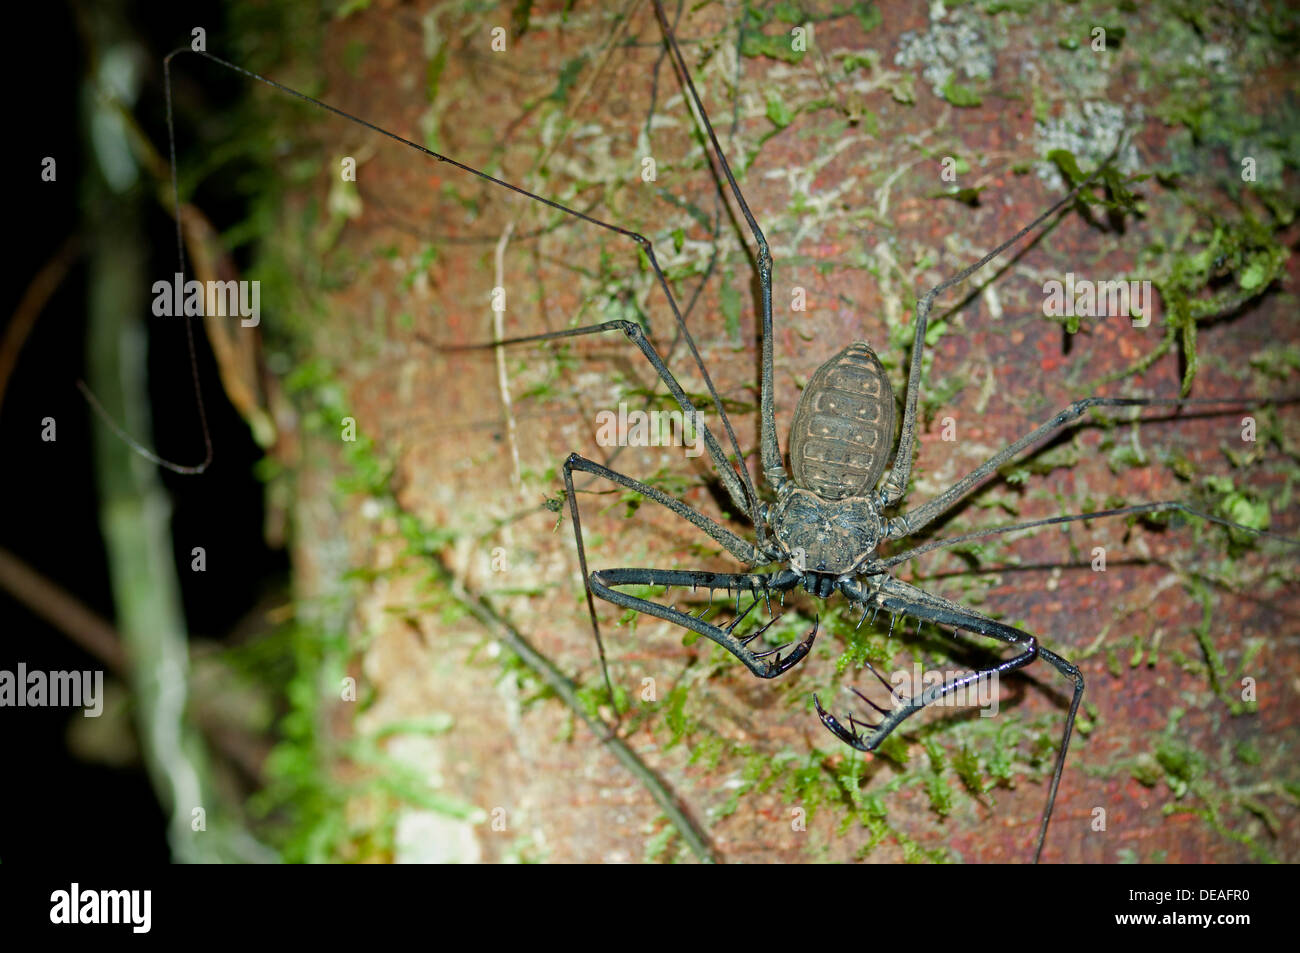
(840, 152)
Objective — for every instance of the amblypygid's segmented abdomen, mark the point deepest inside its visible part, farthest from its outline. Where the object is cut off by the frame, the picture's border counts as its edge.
(844, 426)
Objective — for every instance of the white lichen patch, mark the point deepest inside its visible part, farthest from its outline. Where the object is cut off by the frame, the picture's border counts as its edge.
(424, 837)
(953, 45)
(1089, 130)
(421, 753)
(1213, 58)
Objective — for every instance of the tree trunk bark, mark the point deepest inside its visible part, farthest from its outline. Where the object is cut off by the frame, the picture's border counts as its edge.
(841, 152)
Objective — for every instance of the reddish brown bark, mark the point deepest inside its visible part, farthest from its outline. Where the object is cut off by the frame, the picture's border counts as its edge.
(851, 219)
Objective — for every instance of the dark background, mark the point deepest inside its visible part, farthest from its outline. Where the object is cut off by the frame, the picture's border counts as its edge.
(56, 806)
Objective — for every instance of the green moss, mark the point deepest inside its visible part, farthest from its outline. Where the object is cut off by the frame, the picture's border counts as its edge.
(1234, 262)
(960, 95)
(656, 846)
(966, 763)
(773, 47)
(1198, 786)
(1247, 753)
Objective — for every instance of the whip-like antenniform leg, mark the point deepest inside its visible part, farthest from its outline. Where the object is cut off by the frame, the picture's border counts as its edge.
(773, 469)
(896, 485)
(915, 519)
(748, 503)
(633, 332)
